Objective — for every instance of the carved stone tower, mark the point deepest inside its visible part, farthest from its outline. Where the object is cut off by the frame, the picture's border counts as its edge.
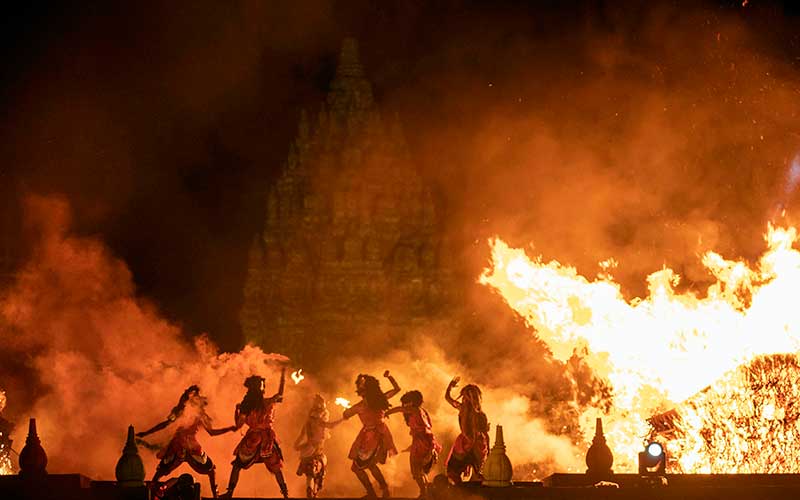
(351, 243)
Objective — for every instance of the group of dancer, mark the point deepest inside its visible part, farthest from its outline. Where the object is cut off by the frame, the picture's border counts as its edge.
(373, 445)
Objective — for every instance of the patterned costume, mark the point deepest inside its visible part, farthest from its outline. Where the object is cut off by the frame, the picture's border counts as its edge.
(259, 444)
(471, 448)
(374, 443)
(190, 416)
(311, 445)
(312, 453)
(424, 447)
(183, 447)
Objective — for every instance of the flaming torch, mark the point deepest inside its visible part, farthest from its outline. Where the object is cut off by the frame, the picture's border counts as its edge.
(298, 376)
(343, 403)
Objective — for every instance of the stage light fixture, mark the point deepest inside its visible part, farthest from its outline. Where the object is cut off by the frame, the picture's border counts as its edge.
(653, 460)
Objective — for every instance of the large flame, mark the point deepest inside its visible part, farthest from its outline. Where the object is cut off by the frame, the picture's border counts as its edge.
(659, 351)
(6, 467)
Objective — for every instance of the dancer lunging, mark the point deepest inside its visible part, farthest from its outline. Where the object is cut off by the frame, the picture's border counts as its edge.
(259, 444)
(190, 415)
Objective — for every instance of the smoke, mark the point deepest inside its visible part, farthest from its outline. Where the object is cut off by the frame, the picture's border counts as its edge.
(97, 358)
(426, 367)
(648, 135)
(591, 129)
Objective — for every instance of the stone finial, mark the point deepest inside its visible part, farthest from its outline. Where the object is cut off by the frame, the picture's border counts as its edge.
(130, 469)
(599, 457)
(350, 96)
(349, 63)
(498, 470)
(32, 458)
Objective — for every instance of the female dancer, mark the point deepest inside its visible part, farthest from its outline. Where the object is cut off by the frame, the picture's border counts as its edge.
(190, 413)
(311, 442)
(259, 444)
(374, 443)
(424, 447)
(471, 447)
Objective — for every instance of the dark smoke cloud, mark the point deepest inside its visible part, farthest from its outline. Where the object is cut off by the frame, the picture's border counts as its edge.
(157, 122)
(592, 129)
(90, 357)
(647, 134)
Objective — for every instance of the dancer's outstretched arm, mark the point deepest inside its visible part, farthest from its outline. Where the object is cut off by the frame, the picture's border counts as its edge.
(395, 390)
(453, 402)
(161, 425)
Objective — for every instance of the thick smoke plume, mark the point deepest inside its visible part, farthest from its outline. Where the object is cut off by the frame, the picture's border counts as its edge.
(92, 357)
(646, 134)
(95, 357)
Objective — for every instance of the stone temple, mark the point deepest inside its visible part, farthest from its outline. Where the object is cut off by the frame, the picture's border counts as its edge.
(352, 242)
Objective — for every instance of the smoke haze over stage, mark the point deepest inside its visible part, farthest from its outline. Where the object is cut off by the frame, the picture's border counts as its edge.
(196, 194)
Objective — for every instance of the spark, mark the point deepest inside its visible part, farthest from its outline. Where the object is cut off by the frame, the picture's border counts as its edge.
(792, 176)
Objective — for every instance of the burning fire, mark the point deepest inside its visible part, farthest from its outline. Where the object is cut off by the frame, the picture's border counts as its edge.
(5, 450)
(745, 422)
(663, 352)
(298, 376)
(6, 467)
(344, 403)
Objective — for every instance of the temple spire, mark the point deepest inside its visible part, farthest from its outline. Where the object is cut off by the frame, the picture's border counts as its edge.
(350, 93)
(349, 63)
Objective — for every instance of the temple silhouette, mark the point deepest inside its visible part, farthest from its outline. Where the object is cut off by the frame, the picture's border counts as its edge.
(352, 239)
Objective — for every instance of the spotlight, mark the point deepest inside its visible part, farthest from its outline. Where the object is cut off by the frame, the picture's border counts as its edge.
(653, 460)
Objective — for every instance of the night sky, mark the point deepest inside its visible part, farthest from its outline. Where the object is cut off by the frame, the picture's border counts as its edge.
(163, 123)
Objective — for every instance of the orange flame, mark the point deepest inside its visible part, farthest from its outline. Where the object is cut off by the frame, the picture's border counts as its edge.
(298, 376)
(6, 467)
(344, 403)
(658, 351)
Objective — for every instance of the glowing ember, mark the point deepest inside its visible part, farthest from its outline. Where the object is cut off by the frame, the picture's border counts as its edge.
(747, 422)
(5, 458)
(343, 402)
(661, 350)
(6, 467)
(297, 376)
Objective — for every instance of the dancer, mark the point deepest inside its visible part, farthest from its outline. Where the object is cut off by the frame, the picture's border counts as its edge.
(374, 442)
(471, 447)
(424, 449)
(310, 443)
(259, 444)
(190, 414)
